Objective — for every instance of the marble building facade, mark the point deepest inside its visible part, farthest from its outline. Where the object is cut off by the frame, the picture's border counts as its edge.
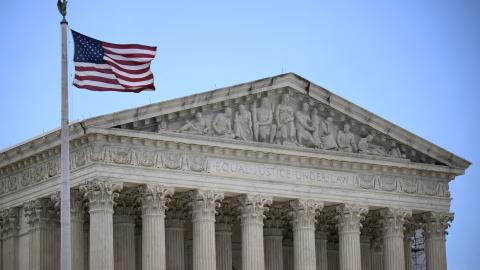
(272, 174)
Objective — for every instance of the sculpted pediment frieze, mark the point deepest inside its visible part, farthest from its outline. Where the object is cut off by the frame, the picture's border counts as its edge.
(282, 117)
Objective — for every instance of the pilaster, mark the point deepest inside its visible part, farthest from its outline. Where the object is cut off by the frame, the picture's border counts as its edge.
(153, 200)
(44, 249)
(174, 232)
(101, 195)
(252, 207)
(349, 224)
(223, 234)
(273, 235)
(124, 232)
(204, 204)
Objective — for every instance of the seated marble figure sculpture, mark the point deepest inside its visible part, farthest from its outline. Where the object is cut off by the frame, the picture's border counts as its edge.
(365, 146)
(222, 124)
(198, 126)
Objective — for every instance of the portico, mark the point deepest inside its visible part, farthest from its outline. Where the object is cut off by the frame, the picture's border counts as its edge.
(188, 183)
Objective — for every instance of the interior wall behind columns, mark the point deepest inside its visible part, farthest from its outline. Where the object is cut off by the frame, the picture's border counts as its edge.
(23, 242)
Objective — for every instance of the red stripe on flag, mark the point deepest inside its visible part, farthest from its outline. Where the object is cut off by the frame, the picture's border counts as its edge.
(97, 88)
(129, 46)
(130, 55)
(136, 71)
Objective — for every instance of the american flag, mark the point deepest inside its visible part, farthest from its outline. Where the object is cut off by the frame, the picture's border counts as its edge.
(103, 66)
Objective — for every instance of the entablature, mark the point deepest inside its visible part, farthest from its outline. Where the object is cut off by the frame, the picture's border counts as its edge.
(195, 154)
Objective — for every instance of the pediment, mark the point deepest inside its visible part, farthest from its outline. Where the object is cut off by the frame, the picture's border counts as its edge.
(282, 110)
(309, 117)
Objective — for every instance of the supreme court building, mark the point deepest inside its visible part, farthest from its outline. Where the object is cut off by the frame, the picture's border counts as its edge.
(274, 174)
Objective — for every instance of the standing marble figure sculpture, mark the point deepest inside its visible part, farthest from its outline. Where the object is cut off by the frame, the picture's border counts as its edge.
(264, 128)
(284, 116)
(243, 124)
(304, 127)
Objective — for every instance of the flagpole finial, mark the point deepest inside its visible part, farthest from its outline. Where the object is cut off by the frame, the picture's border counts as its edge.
(62, 8)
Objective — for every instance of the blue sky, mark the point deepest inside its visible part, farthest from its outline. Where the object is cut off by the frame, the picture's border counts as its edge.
(415, 63)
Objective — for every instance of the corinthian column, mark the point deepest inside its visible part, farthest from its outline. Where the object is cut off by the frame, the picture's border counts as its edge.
(40, 216)
(303, 216)
(393, 251)
(273, 236)
(76, 227)
(223, 235)
(435, 227)
(252, 208)
(9, 230)
(77, 231)
(174, 233)
(153, 199)
(349, 224)
(124, 232)
(203, 222)
(101, 195)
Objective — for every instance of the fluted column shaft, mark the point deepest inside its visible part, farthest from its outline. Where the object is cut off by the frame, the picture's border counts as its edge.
(77, 231)
(407, 252)
(174, 235)
(138, 244)
(321, 239)
(303, 215)
(223, 245)
(349, 223)
(393, 225)
(377, 259)
(435, 228)
(252, 208)
(203, 225)
(8, 234)
(101, 196)
(153, 199)
(44, 252)
(410, 227)
(273, 238)
(332, 254)
(124, 242)
(287, 254)
(366, 254)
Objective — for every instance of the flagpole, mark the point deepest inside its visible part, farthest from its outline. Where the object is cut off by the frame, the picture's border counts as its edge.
(65, 234)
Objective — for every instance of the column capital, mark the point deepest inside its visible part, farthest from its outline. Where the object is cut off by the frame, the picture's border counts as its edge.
(304, 213)
(204, 204)
(126, 204)
(9, 221)
(154, 198)
(253, 207)
(392, 220)
(435, 224)
(101, 194)
(177, 211)
(39, 211)
(226, 213)
(76, 204)
(350, 216)
(276, 217)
